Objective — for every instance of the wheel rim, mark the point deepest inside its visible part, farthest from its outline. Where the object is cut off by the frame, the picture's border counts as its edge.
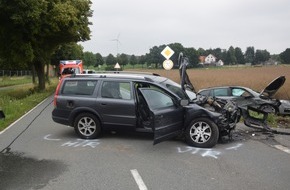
(87, 126)
(200, 132)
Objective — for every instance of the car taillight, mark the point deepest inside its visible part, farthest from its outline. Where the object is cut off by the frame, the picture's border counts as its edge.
(57, 92)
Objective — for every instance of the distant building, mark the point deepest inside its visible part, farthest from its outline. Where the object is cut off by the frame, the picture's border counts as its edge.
(220, 63)
(210, 59)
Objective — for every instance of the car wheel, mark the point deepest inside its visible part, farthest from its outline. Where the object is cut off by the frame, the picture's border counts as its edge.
(87, 126)
(268, 108)
(202, 133)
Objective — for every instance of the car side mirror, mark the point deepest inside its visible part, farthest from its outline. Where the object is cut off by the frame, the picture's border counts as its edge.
(184, 102)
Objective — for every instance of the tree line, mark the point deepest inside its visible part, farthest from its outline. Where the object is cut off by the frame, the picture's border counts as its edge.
(230, 56)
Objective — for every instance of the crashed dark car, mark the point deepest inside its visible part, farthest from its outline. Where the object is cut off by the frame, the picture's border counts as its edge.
(246, 97)
(140, 102)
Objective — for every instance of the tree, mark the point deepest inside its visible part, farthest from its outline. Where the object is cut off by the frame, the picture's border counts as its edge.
(123, 59)
(201, 52)
(142, 60)
(239, 55)
(89, 59)
(285, 56)
(111, 60)
(217, 53)
(192, 55)
(99, 60)
(250, 55)
(31, 30)
(67, 51)
(231, 58)
(155, 56)
(133, 60)
(261, 56)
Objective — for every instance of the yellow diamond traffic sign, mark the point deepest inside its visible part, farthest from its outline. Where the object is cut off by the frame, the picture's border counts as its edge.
(167, 52)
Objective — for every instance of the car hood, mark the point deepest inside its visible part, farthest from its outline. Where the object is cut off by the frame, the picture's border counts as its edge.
(184, 79)
(273, 87)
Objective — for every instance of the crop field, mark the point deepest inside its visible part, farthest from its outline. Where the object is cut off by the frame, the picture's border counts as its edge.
(256, 78)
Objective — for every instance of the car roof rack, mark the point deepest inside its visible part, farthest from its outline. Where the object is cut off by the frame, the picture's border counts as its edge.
(98, 73)
(127, 72)
(114, 74)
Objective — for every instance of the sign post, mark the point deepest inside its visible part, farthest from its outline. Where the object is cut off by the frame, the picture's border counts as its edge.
(167, 53)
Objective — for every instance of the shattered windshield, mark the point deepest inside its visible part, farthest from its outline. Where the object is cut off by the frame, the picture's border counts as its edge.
(175, 88)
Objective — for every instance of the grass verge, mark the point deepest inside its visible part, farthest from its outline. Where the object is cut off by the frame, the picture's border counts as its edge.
(10, 81)
(17, 101)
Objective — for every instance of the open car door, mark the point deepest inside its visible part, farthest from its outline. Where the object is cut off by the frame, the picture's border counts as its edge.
(166, 116)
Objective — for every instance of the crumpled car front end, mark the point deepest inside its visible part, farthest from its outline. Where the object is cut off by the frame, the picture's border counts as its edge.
(229, 112)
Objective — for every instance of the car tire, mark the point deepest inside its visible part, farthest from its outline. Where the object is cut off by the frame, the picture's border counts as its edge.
(202, 133)
(268, 108)
(87, 126)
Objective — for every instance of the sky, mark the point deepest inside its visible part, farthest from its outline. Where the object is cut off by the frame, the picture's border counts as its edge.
(139, 25)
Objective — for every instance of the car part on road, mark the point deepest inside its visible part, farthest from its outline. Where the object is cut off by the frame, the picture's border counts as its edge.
(257, 119)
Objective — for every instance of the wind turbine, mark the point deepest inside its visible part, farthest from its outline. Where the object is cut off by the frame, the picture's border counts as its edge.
(117, 43)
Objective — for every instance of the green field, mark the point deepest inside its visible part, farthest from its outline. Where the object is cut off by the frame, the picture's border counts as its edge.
(18, 99)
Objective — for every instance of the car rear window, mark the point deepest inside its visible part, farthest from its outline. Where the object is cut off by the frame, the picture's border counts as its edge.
(79, 87)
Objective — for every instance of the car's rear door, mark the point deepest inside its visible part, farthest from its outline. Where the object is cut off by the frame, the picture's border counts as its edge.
(116, 105)
(165, 115)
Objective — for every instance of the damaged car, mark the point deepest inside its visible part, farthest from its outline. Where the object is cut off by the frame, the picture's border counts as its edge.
(246, 97)
(142, 102)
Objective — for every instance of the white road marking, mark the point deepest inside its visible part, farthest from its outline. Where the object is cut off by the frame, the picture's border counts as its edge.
(47, 137)
(283, 148)
(138, 180)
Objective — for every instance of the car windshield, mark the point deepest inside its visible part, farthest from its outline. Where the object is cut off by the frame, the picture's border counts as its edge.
(71, 71)
(175, 88)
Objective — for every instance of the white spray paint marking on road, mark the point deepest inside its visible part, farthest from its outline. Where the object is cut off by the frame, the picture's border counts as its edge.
(205, 152)
(75, 143)
(235, 147)
(47, 137)
(138, 180)
(211, 153)
(82, 143)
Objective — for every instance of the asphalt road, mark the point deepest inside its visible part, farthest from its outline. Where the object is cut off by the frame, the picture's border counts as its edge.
(37, 153)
